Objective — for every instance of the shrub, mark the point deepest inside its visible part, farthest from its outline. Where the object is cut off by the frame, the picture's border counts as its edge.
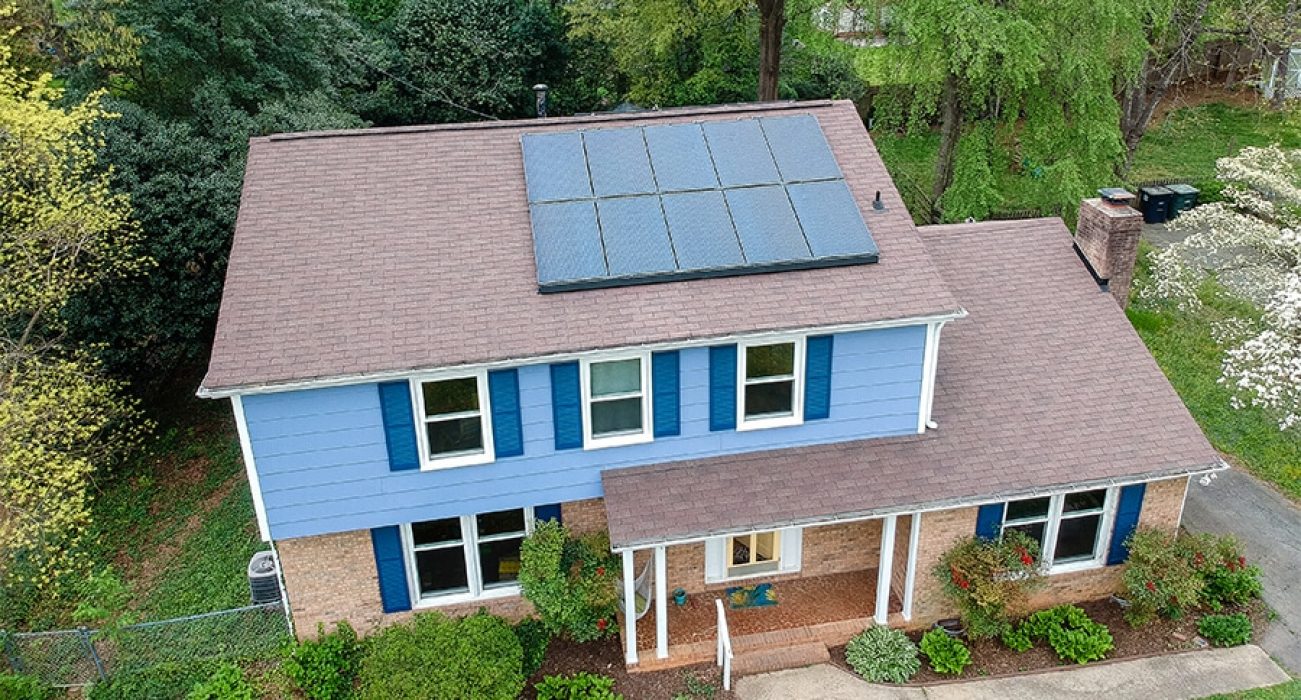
(988, 580)
(165, 681)
(1227, 577)
(883, 655)
(1070, 632)
(533, 640)
(325, 668)
(226, 683)
(571, 582)
(1225, 630)
(946, 654)
(579, 686)
(432, 656)
(16, 686)
(1017, 638)
(1159, 578)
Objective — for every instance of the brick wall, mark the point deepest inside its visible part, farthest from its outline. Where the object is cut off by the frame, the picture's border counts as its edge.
(583, 517)
(899, 567)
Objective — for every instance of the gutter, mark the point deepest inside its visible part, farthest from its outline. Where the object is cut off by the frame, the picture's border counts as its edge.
(947, 504)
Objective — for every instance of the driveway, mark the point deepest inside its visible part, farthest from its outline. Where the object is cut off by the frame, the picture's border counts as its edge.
(1172, 677)
(1269, 526)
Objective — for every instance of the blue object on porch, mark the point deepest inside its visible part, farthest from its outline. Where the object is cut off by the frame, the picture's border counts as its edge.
(750, 596)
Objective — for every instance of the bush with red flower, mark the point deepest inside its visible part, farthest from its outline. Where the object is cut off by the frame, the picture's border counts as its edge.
(989, 580)
(570, 581)
(1170, 575)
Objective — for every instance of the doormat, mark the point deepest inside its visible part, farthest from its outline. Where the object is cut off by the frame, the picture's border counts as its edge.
(750, 596)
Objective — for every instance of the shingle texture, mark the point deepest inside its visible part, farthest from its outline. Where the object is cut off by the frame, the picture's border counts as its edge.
(1044, 385)
(388, 250)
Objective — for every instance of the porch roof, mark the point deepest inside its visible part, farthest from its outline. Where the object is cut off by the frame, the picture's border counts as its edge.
(1044, 385)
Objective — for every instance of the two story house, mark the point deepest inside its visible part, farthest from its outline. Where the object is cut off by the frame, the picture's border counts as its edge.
(713, 332)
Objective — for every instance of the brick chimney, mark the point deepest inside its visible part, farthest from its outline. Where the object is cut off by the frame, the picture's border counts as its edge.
(1107, 234)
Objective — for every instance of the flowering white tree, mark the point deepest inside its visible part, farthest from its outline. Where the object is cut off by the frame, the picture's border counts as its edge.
(1251, 244)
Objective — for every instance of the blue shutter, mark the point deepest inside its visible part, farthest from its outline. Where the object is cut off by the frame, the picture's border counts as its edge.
(722, 387)
(989, 521)
(392, 568)
(548, 512)
(1131, 504)
(507, 432)
(817, 378)
(566, 406)
(399, 426)
(665, 377)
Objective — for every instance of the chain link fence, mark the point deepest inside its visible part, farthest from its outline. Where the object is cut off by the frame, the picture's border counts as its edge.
(77, 657)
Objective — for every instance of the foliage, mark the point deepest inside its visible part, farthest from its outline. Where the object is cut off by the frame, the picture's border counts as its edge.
(166, 681)
(1159, 578)
(579, 686)
(697, 687)
(534, 640)
(882, 655)
(1017, 638)
(571, 582)
(226, 683)
(972, 194)
(988, 580)
(1070, 632)
(1225, 630)
(16, 686)
(1219, 561)
(1253, 240)
(326, 667)
(1189, 140)
(432, 656)
(947, 654)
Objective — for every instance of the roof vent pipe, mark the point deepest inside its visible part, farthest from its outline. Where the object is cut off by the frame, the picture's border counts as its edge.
(877, 204)
(540, 99)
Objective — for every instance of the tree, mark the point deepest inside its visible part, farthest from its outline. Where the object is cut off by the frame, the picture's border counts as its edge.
(772, 21)
(1251, 243)
(61, 230)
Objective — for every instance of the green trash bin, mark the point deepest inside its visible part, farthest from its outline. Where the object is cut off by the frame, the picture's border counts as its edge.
(1185, 198)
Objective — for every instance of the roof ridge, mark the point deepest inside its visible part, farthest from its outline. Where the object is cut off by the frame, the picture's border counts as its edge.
(595, 117)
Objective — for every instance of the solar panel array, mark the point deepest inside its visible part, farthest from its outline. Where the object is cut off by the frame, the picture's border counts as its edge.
(634, 205)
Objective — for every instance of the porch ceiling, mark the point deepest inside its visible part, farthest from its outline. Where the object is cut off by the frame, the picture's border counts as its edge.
(1044, 385)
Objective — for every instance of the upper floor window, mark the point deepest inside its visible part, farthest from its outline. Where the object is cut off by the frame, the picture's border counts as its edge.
(467, 557)
(1069, 527)
(456, 429)
(616, 399)
(771, 384)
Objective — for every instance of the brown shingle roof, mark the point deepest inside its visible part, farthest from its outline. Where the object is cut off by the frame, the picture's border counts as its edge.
(388, 250)
(1045, 384)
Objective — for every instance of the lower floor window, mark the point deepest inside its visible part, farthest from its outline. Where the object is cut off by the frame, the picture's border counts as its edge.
(1069, 527)
(467, 555)
(753, 554)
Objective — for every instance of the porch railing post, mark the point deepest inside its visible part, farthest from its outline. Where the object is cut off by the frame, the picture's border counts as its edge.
(910, 573)
(629, 610)
(883, 572)
(661, 604)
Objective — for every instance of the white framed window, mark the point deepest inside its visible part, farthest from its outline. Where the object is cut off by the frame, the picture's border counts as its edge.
(616, 401)
(770, 383)
(470, 557)
(454, 424)
(753, 554)
(1072, 529)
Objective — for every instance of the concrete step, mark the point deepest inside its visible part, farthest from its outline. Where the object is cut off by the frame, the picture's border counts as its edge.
(777, 658)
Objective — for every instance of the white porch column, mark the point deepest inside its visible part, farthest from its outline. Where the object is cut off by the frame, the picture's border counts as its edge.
(629, 610)
(661, 604)
(910, 574)
(883, 572)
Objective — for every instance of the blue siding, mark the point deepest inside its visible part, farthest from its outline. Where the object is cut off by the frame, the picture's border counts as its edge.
(323, 464)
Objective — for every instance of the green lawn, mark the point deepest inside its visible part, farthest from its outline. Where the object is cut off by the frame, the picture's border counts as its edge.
(1283, 691)
(1190, 358)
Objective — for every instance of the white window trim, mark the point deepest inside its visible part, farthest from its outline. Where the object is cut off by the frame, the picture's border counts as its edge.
(789, 560)
(646, 434)
(797, 390)
(427, 461)
(1106, 525)
(470, 550)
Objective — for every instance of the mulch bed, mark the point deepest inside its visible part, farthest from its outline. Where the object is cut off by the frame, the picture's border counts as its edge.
(606, 658)
(990, 658)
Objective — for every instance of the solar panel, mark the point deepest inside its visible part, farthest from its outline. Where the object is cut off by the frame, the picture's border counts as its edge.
(740, 153)
(633, 205)
(635, 235)
(680, 157)
(567, 242)
(702, 231)
(830, 219)
(766, 224)
(800, 149)
(555, 167)
(618, 162)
